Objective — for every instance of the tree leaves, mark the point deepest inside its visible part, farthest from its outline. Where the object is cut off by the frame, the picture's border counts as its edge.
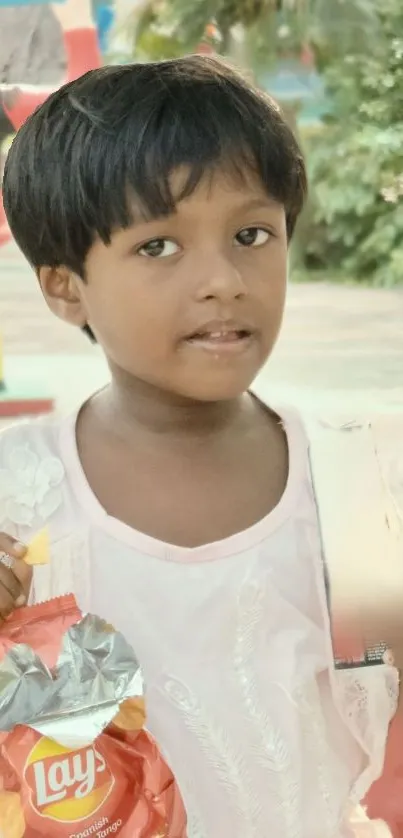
(270, 26)
(356, 163)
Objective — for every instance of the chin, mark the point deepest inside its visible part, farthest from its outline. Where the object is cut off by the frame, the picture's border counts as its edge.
(218, 391)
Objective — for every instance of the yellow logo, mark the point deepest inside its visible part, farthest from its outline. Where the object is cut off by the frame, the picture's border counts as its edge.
(66, 785)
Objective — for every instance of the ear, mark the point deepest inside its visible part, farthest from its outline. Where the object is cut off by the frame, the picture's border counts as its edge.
(61, 289)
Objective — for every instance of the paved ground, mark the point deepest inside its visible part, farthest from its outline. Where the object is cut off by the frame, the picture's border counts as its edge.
(341, 348)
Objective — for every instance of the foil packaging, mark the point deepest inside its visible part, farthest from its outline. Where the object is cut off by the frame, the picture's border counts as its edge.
(73, 703)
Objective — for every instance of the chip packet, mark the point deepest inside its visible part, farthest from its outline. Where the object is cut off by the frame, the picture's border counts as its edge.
(75, 759)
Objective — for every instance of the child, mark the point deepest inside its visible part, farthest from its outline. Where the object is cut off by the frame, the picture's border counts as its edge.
(156, 203)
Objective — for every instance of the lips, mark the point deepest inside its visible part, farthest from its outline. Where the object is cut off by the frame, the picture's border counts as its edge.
(222, 339)
(217, 332)
(223, 336)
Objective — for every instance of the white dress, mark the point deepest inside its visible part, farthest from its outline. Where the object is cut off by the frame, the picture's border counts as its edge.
(264, 738)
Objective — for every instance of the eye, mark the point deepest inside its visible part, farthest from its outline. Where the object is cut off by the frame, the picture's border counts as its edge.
(252, 237)
(159, 248)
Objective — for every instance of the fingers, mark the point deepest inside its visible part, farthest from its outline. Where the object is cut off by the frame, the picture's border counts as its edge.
(15, 580)
(12, 547)
(388, 657)
(12, 595)
(7, 604)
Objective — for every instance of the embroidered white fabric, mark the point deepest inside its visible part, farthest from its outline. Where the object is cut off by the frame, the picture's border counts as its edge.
(29, 486)
(232, 640)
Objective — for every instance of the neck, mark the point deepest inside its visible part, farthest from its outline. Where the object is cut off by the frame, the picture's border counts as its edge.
(130, 407)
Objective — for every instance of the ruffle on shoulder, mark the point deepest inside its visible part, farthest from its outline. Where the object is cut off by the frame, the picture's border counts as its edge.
(29, 487)
(31, 478)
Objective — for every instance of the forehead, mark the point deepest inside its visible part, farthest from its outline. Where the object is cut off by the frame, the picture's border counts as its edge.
(220, 200)
(229, 187)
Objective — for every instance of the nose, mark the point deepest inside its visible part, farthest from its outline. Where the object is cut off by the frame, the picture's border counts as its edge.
(219, 278)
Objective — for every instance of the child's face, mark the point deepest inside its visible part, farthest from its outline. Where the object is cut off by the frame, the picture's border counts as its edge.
(192, 303)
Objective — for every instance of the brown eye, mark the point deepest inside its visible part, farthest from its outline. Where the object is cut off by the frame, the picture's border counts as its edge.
(159, 248)
(252, 237)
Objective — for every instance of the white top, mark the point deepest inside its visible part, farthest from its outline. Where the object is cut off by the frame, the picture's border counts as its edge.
(233, 637)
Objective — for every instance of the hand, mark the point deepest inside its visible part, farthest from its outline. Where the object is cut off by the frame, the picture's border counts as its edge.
(14, 582)
(73, 14)
(379, 626)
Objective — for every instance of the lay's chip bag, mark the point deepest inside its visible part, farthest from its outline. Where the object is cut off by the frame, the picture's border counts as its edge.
(75, 759)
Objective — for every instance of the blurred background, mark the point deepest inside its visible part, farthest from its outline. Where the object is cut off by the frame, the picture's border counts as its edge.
(336, 69)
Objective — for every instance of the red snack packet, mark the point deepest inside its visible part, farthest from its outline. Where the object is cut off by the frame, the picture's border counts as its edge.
(385, 797)
(117, 784)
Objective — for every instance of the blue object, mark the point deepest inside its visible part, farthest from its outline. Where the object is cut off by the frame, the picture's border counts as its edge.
(7, 4)
(290, 81)
(104, 19)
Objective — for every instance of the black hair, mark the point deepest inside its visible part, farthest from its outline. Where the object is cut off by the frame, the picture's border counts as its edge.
(108, 142)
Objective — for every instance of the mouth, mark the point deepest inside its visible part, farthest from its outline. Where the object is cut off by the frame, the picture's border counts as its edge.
(221, 340)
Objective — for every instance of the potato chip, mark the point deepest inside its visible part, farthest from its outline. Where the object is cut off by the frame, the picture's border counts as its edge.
(12, 821)
(132, 715)
(38, 552)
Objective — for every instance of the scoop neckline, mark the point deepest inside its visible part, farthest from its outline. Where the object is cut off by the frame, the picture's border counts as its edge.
(239, 542)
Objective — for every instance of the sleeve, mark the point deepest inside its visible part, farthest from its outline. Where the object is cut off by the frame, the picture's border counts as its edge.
(8, 486)
(34, 494)
(31, 478)
(83, 54)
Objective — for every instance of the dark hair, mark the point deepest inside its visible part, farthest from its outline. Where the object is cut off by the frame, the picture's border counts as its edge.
(117, 133)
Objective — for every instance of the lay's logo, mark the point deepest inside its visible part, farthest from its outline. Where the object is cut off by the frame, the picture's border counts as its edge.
(66, 785)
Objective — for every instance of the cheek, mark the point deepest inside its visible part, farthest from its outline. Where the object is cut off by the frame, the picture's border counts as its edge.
(127, 320)
(273, 269)
(271, 294)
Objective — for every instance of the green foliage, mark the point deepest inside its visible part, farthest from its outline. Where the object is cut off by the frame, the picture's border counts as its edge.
(171, 27)
(272, 27)
(336, 28)
(356, 163)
